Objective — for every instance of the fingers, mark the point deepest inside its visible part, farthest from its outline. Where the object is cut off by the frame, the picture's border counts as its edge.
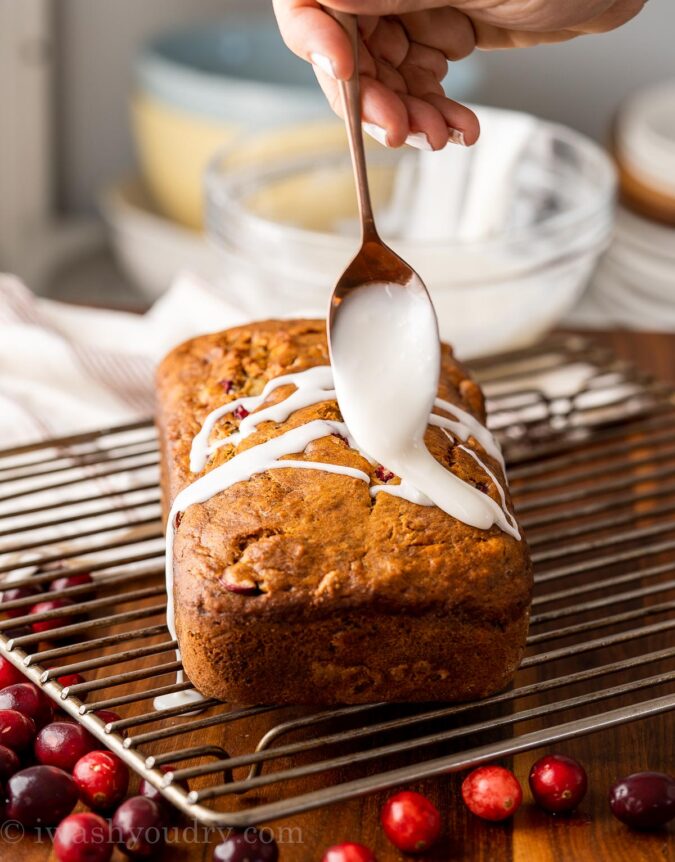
(384, 115)
(447, 30)
(315, 36)
(461, 122)
(401, 63)
(428, 129)
(426, 121)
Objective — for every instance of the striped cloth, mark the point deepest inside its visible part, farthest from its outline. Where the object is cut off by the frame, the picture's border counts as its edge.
(65, 369)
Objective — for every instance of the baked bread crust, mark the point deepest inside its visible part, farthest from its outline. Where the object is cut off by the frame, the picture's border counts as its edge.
(358, 598)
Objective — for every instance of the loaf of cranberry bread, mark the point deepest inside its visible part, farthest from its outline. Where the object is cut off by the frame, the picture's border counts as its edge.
(301, 586)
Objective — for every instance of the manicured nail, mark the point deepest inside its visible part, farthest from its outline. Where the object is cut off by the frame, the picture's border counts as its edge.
(418, 140)
(376, 132)
(456, 137)
(324, 63)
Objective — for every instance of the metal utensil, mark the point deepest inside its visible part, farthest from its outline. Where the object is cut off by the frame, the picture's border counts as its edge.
(375, 262)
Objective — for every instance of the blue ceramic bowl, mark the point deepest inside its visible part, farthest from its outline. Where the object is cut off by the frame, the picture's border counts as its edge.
(233, 71)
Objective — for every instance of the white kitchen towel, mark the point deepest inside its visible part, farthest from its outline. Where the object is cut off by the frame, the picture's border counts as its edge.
(65, 369)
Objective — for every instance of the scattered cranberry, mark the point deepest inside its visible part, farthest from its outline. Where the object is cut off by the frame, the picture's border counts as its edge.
(17, 593)
(74, 580)
(344, 440)
(138, 827)
(644, 800)
(558, 783)
(348, 852)
(62, 744)
(69, 679)
(240, 412)
(17, 632)
(492, 792)
(83, 838)
(55, 622)
(248, 846)
(17, 731)
(383, 474)
(410, 821)
(107, 716)
(177, 519)
(26, 698)
(9, 763)
(40, 795)
(150, 791)
(8, 673)
(227, 385)
(102, 779)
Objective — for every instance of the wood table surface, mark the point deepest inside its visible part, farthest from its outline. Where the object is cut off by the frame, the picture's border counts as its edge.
(533, 836)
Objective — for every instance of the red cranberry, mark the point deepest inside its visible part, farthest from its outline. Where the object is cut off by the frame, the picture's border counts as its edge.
(227, 385)
(240, 412)
(178, 517)
(8, 673)
(40, 795)
(248, 846)
(241, 588)
(558, 783)
(644, 800)
(17, 731)
(348, 852)
(102, 779)
(107, 716)
(150, 791)
(83, 838)
(69, 679)
(383, 474)
(74, 580)
(9, 763)
(138, 827)
(26, 698)
(17, 593)
(410, 821)
(344, 440)
(62, 744)
(492, 793)
(18, 632)
(55, 622)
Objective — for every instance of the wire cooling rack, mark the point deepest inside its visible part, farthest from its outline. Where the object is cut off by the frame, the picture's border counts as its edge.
(591, 455)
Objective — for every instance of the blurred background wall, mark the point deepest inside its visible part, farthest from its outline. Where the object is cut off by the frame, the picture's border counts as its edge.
(578, 83)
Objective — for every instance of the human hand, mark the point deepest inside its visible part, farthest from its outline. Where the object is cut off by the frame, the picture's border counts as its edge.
(406, 44)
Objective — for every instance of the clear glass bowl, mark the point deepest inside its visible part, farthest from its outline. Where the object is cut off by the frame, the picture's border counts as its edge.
(281, 208)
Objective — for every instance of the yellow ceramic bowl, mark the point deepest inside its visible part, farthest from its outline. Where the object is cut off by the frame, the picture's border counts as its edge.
(174, 147)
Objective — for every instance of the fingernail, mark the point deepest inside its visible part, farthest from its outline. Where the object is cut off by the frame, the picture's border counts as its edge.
(418, 140)
(324, 63)
(376, 132)
(456, 137)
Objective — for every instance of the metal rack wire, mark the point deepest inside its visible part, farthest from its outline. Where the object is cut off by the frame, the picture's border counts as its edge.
(592, 466)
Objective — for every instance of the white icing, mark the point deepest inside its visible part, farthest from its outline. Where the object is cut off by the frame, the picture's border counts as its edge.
(386, 361)
(312, 386)
(178, 698)
(467, 426)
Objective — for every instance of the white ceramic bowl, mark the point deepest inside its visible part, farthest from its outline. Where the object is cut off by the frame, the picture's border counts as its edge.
(151, 249)
(284, 220)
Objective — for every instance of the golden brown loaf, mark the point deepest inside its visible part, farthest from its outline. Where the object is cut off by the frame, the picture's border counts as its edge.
(298, 586)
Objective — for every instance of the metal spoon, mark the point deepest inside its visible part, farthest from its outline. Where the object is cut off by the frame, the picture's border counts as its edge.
(375, 262)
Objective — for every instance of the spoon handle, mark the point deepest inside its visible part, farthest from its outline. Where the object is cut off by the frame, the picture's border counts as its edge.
(350, 92)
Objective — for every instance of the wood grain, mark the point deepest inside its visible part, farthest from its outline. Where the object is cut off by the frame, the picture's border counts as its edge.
(591, 834)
